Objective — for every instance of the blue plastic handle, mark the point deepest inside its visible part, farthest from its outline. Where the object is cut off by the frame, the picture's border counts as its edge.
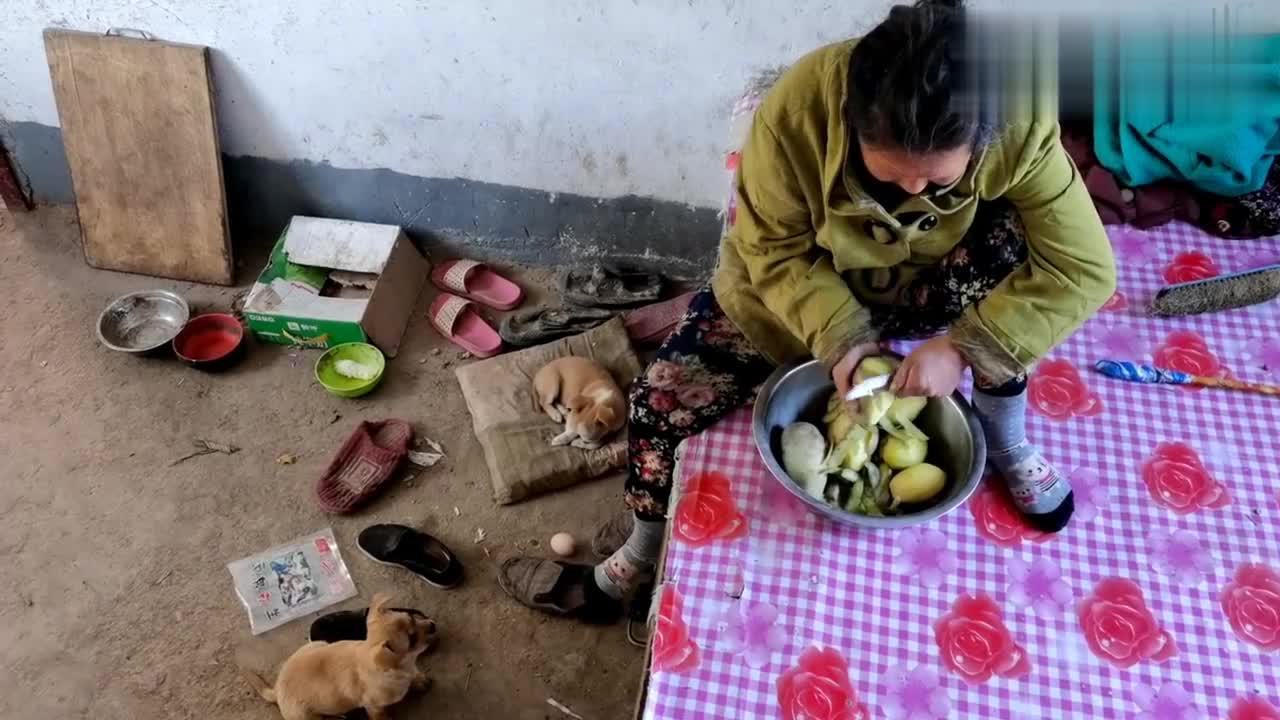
(1134, 372)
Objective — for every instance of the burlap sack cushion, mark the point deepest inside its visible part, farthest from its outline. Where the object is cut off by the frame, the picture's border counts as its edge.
(516, 436)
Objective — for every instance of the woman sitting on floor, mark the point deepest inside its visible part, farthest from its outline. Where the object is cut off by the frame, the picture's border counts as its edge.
(874, 202)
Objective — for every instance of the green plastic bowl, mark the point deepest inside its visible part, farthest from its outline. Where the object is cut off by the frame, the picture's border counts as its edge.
(344, 386)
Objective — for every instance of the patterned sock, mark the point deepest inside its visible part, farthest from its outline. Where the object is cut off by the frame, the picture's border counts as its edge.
(1041, 492)
(622, 571)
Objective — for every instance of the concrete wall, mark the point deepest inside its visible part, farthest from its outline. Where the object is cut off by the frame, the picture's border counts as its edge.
(598, 97)
(532, 102)
(530, 128)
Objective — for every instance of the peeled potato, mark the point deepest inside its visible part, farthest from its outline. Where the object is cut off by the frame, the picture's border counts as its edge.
(803, 452)
(901, 453)
(803, 449)
(917, 483)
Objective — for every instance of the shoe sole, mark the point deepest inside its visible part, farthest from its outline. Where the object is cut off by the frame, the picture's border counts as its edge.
(401, 567)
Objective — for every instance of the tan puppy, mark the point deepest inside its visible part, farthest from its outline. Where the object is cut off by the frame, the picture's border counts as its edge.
(581, 394)
(327, 679)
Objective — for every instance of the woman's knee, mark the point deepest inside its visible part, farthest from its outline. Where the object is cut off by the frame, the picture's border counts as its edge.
(636, 397)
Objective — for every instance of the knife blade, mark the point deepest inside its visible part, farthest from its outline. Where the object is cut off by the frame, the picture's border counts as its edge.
(868, 387)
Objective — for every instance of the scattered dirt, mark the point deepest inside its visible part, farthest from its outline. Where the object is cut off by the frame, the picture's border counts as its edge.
(121, 606)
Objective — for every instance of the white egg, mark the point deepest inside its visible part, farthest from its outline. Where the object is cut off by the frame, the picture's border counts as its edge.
(563, 544)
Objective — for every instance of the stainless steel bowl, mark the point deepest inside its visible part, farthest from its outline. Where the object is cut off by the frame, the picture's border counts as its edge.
(799, 392)
(143, 321)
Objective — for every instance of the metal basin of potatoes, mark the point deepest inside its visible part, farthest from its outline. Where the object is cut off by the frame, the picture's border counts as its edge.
(799, 393)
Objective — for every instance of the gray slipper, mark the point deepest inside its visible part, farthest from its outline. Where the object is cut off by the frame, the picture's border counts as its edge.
(607, 287)
(535, 327)
(558, 588)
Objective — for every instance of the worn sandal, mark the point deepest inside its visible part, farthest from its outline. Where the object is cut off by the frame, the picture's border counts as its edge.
(535, 327)
(558, 588)
(605, 287)
(461, 324)
(348, 625)
(475, 281)
(365, 462)
(648, 326)
(417, 552)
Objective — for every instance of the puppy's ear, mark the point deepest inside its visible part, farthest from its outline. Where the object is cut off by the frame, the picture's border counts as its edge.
(386, 656)
(379, 604)
(605, 415)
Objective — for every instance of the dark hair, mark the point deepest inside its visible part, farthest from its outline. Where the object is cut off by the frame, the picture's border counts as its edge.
(909, 86)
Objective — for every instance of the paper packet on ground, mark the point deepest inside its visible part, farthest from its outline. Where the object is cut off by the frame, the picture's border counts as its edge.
(291, 580)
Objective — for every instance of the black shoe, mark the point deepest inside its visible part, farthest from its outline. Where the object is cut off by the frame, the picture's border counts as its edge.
(345, 625)
(1056, 519)
(417, 552)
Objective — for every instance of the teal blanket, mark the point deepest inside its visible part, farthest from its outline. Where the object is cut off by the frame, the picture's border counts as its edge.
(1203, 109)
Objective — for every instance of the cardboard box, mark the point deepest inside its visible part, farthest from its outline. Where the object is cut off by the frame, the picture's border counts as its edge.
(330, 282)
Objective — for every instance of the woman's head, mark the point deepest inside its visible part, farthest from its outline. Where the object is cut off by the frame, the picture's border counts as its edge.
(910, 101)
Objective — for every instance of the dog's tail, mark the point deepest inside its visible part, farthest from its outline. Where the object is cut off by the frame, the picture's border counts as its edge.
(260, 685)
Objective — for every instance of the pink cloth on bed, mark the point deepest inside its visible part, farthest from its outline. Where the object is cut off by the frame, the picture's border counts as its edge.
(1161, 601)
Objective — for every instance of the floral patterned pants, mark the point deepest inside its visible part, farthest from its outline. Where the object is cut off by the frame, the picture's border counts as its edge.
(707, 368)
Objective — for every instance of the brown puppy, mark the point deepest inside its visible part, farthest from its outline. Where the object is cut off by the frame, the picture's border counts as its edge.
(581, 394)
(326, 679)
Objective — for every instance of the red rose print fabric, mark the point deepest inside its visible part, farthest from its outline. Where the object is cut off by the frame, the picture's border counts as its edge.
(974, 643)
(1188, 352)
(673, 649)
(707, 513)
(1188, 266)
(1057, 390)
(1120, 628)
(1160, 600)
(1116, 303)
(1251, 603)
(817, 687)
(1253, 708)
(998, 520)
(1178, 480)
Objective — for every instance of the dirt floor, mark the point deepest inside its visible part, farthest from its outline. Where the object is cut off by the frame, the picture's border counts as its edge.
(117, 603)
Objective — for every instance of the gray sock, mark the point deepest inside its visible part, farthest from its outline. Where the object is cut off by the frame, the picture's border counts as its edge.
(622, 571)
(1037, 486)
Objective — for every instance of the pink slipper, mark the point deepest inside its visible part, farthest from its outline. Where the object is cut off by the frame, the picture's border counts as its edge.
(648, 326)
(475, 281)
(366, 461)
(458, 321)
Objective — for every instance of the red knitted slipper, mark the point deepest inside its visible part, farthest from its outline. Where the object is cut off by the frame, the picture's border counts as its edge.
(367, 460)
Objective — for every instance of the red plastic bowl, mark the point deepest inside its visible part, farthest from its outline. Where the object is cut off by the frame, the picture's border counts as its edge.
(210, 342)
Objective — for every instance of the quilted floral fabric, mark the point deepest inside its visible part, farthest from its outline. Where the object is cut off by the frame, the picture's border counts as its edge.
(1161, 601)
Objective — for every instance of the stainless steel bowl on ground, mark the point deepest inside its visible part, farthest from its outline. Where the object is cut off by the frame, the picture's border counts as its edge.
(799, 392)
(144, 321)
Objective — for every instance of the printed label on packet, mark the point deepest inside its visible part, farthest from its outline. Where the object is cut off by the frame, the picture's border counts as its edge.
(292, 580)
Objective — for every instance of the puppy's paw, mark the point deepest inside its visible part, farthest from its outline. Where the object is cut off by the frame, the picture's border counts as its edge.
(585, 445)
(564, 438)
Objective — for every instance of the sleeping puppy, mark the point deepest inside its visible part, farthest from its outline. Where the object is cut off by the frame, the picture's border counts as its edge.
(581, 394)
(327, 679)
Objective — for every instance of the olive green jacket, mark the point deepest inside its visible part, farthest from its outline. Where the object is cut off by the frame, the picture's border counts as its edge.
(809, 247)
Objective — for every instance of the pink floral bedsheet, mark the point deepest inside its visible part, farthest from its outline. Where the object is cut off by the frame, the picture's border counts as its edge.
(1160, 602)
